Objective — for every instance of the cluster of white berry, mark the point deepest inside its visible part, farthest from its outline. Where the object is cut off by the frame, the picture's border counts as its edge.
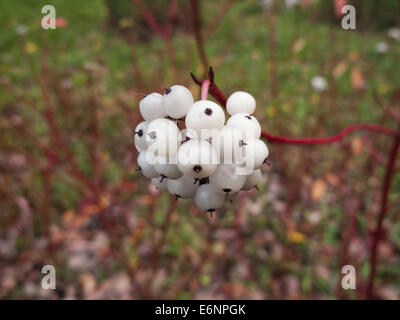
(209, 160)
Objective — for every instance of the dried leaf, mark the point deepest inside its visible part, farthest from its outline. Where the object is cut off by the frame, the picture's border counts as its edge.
(298, 45)
(357, 79)
(339, 69)
(318, 189)
(296, 237)
(332, 179)
(356, 145)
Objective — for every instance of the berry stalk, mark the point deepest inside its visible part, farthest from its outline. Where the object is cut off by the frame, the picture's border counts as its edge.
(205, 86)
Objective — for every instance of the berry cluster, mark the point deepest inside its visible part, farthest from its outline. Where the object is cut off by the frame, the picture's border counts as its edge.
(189, 149)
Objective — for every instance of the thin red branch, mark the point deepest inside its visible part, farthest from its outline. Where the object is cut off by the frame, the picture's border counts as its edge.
(164, 230)
(338, 137)
(389, 111)
(222, 12)
(197, 31)
(382, 213)
(221, 98)
(150, 19)
(55, 134)
(172, 14)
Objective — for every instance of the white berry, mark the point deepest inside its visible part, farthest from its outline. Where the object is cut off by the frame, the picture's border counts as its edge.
(228, 145)
(163, 137)
(188, 134)
(255, 153)
(160, 183)
(167, 169)
(197, 158)
(204, 116)
(145, 166)
(208, 199)
(226, 180)
(247, 123)
(231, 197)
(151, 107)
(183, 187)
(208, 162)
(240, 102)
(252, 180)
(140, 136)
(177, 101)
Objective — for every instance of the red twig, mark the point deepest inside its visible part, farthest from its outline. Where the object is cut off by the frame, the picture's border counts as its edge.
(223, 10)
(382, 213)
(165, 32)
(150, 19)
(55, 134)
(221, 98)
(172, 13)
(338, 137)
(197, 26)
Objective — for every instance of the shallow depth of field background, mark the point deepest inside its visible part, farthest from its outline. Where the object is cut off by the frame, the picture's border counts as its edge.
(69, 194)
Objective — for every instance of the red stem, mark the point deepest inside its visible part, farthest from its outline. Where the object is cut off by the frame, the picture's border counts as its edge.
(150, 19)
(338, 137)
(172, 13)
(197, 26)
(221, 98)
(382, 213)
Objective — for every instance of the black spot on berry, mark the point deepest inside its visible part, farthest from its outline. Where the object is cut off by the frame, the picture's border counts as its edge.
(204, 180)
(208, 111)
(168, 90)
(249, 116)
(242, 143)
(140, 133)
(197, 168)
(227, 190)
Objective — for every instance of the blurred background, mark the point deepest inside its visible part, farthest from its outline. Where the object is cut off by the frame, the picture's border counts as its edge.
(69, 194)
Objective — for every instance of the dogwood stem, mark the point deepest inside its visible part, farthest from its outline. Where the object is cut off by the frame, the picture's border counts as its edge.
(209, 86)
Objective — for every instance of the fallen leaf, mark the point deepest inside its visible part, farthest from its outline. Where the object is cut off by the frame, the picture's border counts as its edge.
(298, 45)
(357, 78)
(30, 47)
(332, 179)
(339, 69)
(356, 145)
(318, 189)
(353, 55)
(296, 237)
